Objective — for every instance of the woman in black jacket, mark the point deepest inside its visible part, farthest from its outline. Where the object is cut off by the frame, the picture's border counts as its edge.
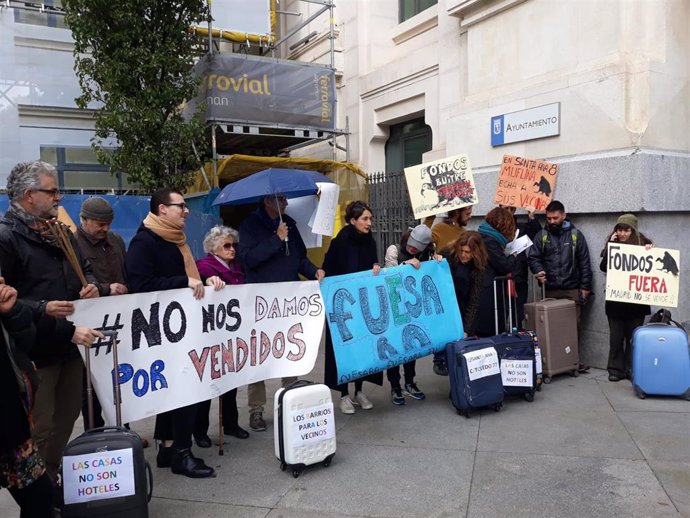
(497, 231)
(22, 470)
(352, 250)
(623, 317)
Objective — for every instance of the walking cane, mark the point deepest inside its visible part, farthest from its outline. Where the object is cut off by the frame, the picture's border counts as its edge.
(220, 425)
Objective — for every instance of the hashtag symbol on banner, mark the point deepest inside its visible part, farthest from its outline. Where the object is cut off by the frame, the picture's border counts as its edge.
(110, 337)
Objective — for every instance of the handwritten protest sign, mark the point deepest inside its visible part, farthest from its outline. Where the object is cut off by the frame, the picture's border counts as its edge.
(98, 476)
(174, 350)
(440, 186)
(525, 183)
(642, 276)
(381, 321)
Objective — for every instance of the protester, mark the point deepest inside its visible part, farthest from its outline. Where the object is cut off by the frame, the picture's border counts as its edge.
(444, 233)
(623, 317)
(272, 250)
(160, 259)
(220, 245)
(520, 278)
(467, 258)
(415, 246)
(105, 251)
(352, 250)
(559, 258)
(33, 261)
(22, 470)
(497, 230)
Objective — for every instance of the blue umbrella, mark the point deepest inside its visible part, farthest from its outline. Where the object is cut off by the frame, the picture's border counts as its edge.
(292, 183)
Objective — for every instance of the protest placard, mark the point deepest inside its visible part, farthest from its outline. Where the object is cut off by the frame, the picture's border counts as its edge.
(174, 350)
(98, 476)
(641, 276)
(380, 321)
(440, 186)
(525, 183)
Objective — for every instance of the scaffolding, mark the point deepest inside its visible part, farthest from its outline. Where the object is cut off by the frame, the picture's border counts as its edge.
(228, 137)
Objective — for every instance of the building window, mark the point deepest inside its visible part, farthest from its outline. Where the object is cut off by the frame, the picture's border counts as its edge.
(408, 8)
(48, 13)
(79, 170)
(407, 142)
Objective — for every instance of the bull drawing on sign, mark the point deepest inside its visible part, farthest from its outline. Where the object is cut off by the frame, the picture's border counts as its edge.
(544, 186)
(668, 264)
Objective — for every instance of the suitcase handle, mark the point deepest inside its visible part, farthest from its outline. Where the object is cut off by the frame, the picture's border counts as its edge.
(508, 281)
(149, 476)
(116, 381)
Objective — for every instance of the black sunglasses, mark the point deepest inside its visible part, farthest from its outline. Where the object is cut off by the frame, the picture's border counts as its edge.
(228, 246)
(182, 205)
(51, 192)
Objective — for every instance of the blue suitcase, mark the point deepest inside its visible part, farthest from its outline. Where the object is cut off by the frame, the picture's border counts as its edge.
(474, 374)
(518, 363)
(660, 361)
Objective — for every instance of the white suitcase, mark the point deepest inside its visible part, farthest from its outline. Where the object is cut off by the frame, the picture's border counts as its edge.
(304, 431)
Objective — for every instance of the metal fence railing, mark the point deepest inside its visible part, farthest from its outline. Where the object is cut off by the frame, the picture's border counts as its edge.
(390, 202)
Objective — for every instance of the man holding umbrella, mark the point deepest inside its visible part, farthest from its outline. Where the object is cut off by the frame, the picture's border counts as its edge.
(272, 250)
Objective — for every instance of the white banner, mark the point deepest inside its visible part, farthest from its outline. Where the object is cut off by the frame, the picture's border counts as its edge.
(97, 476)
(517, 373)
(482, 363)
(174, 350)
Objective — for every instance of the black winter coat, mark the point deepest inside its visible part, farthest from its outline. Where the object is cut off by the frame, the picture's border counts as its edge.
(622, 310)
(263, 253)
(41, 272)
(16, 392)
(529, 228)
(349, 252)
(154, 264)
(565, 269)
(498, 265)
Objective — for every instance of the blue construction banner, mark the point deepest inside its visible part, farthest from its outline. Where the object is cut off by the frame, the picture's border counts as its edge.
(381, 321)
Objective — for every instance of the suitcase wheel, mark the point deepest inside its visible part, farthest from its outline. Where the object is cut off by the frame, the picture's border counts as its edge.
(466, 414)
(547, 379)
(639, 393)
(497, 407)
(326, 463)
(296, 473)
(529, 397)
(575, 373)
(283, 466)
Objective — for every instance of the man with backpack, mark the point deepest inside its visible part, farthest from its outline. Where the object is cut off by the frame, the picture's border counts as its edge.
(559, 258)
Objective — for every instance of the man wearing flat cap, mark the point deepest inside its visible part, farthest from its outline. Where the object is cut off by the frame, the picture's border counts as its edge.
(105, 250)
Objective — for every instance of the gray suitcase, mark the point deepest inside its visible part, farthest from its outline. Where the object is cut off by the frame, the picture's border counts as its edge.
(555, 323)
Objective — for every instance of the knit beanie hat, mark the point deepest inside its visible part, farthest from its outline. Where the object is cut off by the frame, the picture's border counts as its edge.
(98, 209)
(420, 237)
(629, 220)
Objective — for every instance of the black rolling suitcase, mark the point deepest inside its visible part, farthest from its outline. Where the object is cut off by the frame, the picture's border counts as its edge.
(104, 472)
(517, 352)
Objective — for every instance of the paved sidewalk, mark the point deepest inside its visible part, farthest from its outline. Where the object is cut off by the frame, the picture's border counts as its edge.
(584, 447)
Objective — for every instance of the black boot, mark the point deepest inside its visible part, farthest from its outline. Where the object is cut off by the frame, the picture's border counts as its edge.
(236, 431)
(164, 456)
(203, 441)
(184, 463)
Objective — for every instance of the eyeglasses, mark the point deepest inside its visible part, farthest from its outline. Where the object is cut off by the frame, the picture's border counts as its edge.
(52, 192)
(281, 198)
(182, 205)
(228, 246)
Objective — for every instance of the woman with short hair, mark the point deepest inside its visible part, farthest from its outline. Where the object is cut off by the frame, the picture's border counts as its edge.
(220, 245)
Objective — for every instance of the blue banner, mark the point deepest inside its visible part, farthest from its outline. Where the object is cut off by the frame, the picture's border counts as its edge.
(402, 314)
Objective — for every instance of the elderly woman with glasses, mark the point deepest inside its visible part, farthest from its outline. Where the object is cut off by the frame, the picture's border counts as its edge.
(220, 245)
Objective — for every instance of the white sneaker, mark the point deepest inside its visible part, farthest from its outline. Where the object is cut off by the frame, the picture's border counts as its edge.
(363, 401)
(346, 405)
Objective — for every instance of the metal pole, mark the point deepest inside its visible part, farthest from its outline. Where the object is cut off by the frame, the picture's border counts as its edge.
(214, 155)
(331, 37)
(210, 29)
